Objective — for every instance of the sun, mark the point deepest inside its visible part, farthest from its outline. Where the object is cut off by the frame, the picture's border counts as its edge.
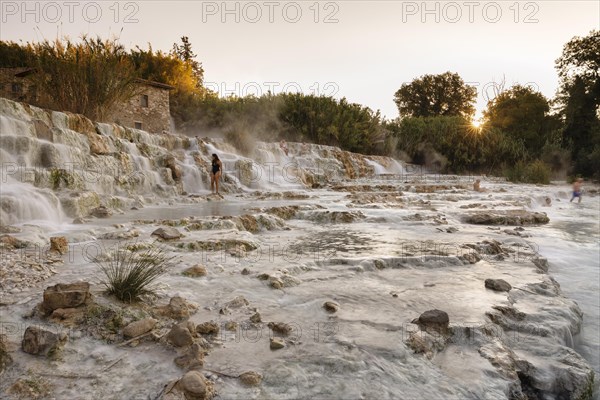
(476, 123)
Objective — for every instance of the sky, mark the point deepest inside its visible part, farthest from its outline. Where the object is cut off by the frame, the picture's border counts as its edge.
(361, 50)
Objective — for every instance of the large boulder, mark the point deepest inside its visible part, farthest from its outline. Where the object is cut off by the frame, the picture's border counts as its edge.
(66, 295)
(436, 320)
(39, 341)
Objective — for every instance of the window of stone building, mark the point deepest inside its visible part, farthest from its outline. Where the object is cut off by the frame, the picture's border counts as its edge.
(17, 88)
(138, 125)
(144, 100)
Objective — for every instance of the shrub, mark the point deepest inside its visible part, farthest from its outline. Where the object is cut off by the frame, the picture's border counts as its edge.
(128, 275)
(534, 172)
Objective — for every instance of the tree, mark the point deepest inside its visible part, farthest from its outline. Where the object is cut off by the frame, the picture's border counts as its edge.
(185, 53)
(436, 95)
(521, 113)
(579, 97)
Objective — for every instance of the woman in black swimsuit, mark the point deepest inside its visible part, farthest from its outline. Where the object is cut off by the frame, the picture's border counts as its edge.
(215, 174)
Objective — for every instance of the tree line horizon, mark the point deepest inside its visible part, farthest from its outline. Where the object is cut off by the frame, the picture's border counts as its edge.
(523, 135)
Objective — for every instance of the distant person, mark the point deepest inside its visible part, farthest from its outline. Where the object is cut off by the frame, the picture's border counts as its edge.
(477, 186)
(215, 175)
(577, 189)
(283, 146)
(304, 148)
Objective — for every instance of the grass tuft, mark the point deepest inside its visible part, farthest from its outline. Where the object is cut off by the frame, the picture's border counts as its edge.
(129, 275)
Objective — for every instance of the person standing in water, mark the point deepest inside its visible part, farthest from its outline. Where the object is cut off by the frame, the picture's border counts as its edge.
(215, 175)
(577, 189)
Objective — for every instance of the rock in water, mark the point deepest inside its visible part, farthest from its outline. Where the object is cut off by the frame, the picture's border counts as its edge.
(59, 244)
(138, 328)
(437, 320)
(167, 233)
(68, 295)
(195, 272)
(251, 378)
(280, 327)
(277, 343)
(101, 212)
(331, 306)
(499, 285)
(41, 342)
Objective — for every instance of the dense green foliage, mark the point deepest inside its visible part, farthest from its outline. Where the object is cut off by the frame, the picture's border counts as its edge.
(436, 95)
(579, 98)
(522, 113)
(453, 144)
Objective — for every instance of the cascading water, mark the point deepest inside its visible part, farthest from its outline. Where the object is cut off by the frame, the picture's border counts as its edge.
(383, 245)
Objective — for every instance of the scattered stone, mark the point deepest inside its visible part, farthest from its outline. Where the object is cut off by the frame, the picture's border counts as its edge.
(138, 328)
(180, 336)
(332, 307)
(275, 283)
(231, 326)
(436, 320)
(277, 343)
(256, 318)
(59, 244)
(196, 271)
(101, 212)
(237, 302)
(245, 271)
(471, 258)
(195, 386)
(251, 378)
(39, 341)
(280, 327)
(79, 221)
(167, 233)
(68, 295)
(192, 359)
(178, 308)
(499, 285)
(208, 328)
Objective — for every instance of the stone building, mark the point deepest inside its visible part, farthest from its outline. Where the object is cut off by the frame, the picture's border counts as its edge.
(14, 86)
(147, 110)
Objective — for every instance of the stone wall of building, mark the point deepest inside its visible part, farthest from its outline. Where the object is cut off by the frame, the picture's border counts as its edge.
(16, 88)
(151, 114)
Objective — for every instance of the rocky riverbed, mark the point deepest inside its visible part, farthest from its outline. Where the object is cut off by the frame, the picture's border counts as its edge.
(323, 283)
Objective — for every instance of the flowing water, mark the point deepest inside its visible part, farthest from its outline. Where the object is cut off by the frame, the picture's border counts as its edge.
(383, 244)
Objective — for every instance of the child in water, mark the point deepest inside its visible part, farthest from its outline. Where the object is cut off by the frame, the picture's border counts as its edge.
(577, 189)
